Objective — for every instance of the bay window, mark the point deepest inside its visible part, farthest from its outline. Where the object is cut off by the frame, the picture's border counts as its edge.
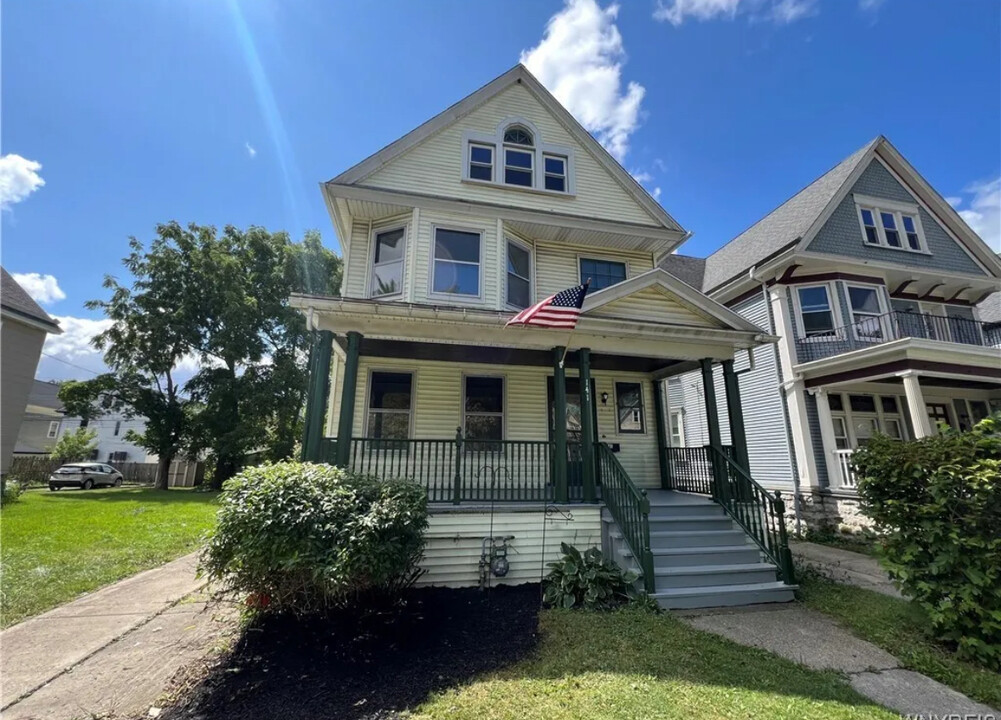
(519, 275)
(815, 311)
(387, 263)
(456, 262)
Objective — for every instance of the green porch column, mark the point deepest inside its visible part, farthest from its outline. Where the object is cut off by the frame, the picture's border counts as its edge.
(712, 419)
(316, 398)
(734, 411)
(587, 430)
(560, 429)
(660, 426)
(348, 391)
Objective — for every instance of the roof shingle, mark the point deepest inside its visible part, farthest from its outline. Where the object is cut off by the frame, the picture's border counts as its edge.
(14, 298)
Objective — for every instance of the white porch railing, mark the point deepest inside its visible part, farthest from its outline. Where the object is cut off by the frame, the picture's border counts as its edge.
(848, 479)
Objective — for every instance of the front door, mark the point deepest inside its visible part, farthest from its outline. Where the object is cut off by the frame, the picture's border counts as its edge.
(575, 467)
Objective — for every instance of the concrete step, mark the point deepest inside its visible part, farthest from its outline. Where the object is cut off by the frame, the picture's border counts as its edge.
(689, 556)
(677, 511)
(724, 595)
(696, 538)
(714, 575)
(691, 522)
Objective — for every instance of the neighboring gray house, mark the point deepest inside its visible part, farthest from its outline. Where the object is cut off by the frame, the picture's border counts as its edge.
(42, 421)
(889, 314)
(23, 327)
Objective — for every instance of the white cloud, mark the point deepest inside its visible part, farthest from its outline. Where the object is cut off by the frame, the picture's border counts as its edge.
(656, 193)
(983, 213)
(18, 179)
(781, 12)
(580, 59)
(642, 177)
(870, 6)
(43, 289)
(75, 340)
(251, 150)
(954, 201)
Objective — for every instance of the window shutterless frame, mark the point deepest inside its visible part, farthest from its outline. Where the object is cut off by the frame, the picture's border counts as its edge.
(868, 324)
(467, 413)
(512, 272)
(385, 271)
(890, 224)
(541, 174)
(371, 411)
(433, 260)
(638, 410)
(481, 161)
(53, 429)
(595, 282)
(832, 309)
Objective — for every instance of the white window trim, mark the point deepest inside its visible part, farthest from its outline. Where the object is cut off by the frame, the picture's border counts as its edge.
(546, 173)
(681, 427)
(898, 210)
(456, 297)
(496, 139)
(374, 231)
(462, 406)
(883, 310)
(53, 431)
(510, 240)
(413, 398)
(880, 415)
(832, 299)
(493, 159)
(601, 258)
(525, 150)
(643, 418)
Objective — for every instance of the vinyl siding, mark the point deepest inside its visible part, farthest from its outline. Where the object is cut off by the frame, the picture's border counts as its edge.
(437, 406)
(434, 167)
(454, 542)
(652, 305)
(558, 266)
(842, 234)
(22, 346)
(813, 420)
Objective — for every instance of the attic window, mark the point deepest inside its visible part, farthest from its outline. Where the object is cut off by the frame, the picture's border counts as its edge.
(515, 155)
(518, 135)
(890, 224)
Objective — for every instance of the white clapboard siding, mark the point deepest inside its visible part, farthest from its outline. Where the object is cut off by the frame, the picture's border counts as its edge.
(437, 406)
(454, 543)
(653, 304)
(434, 167)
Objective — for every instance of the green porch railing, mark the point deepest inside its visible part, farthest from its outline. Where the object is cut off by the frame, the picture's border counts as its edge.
(690, 469)
(760, 513)
(458, 469)
(630, 507)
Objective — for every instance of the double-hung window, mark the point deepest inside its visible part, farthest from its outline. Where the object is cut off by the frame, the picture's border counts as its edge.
(869, 226)
(387, 263)
(677, 426)
(53, 429)
(911, 231)
(629, 404)
(889, 224)
(867, 321)
(390, 401)
(519, 275)
(519, 156)
(815, 310)
(481, 162)
(602, 273)
(456, 261)
(556, 172)
(890, 229)
(483, 412)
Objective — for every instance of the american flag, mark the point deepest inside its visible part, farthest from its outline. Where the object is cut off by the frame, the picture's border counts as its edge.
(556, 311)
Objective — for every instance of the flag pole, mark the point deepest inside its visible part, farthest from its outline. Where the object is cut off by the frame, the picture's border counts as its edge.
(587, 285)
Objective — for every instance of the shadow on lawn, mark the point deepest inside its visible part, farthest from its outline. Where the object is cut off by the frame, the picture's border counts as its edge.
(369, 668)
(378, 668)
(133, 493)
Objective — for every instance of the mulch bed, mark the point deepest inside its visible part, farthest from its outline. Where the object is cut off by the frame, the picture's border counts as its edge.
(369, 668)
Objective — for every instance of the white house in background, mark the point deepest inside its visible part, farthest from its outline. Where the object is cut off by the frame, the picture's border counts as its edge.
(42, 422)
(112, 446)
(23, 327)
(889, 315)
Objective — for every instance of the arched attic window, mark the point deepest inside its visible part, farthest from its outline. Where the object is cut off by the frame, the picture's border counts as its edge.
(519, 156)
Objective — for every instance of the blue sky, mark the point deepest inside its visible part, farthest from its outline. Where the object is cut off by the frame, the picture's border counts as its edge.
(117, 115)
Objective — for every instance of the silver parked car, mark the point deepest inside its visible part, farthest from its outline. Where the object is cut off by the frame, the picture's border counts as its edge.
(85, 476)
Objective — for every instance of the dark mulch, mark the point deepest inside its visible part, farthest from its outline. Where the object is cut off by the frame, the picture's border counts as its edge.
(367, 668)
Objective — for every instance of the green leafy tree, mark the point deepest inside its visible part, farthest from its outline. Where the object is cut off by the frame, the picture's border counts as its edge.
(74, 446)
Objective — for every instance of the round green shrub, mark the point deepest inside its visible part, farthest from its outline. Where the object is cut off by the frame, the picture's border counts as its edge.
(306, 538)
(937, 504)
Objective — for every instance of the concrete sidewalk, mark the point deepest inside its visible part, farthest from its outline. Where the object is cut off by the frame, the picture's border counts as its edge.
(817, 641)
(110, 651)
(844, 566)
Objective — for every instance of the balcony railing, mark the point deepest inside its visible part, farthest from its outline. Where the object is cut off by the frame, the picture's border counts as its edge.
(896, 325)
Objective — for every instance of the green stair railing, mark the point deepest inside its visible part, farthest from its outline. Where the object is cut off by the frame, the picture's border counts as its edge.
(630, 507)
(761, 514)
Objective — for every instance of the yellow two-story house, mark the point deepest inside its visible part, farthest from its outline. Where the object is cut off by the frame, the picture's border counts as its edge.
(524, 436)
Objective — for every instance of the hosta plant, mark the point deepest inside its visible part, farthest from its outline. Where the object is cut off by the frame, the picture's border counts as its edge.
(587, 580)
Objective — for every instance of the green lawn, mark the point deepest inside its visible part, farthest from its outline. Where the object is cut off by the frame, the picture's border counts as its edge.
(899, 627)
(56, 545)
(634, 664)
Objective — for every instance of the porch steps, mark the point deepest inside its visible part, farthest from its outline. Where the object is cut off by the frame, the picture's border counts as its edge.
(701, 557)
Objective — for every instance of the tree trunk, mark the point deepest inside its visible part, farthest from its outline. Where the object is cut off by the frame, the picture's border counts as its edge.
(163, 471)
(225, 468)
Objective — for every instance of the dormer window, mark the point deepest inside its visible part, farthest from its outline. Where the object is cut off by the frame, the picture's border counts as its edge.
(517, 156)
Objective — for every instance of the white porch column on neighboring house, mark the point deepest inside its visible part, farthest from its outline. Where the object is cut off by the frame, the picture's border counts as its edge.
(795, 389)
(834, 478)
(916, 404)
